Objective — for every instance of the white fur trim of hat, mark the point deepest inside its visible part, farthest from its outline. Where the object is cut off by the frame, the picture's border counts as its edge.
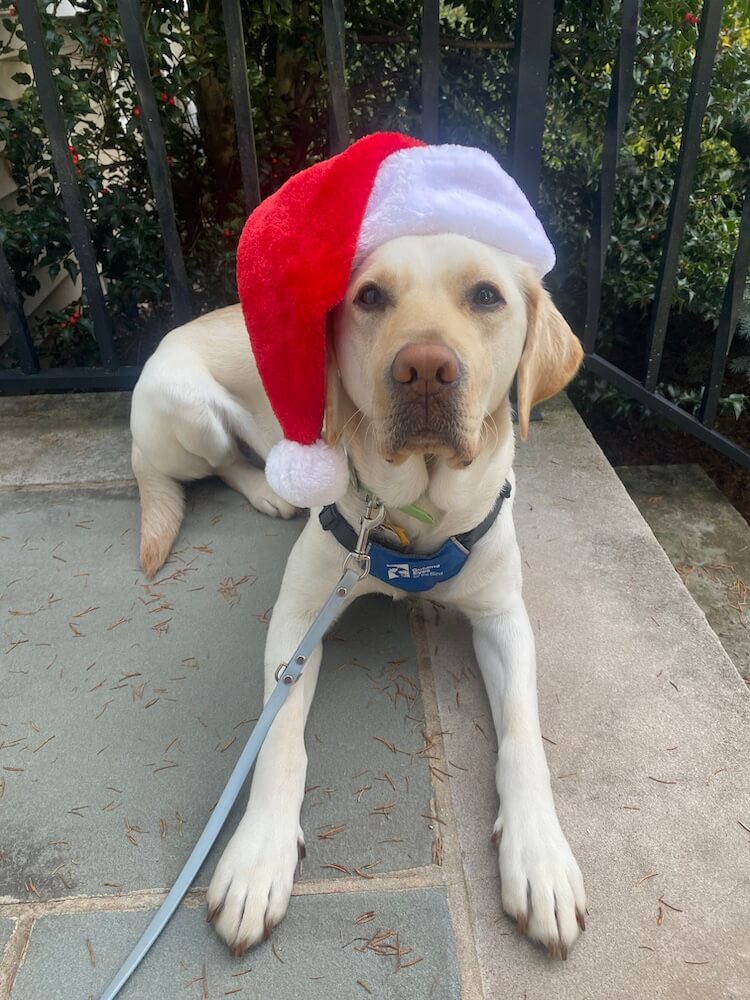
(427, 190)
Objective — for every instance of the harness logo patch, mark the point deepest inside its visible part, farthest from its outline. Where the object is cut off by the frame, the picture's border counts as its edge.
(398, 571)
(407, 571)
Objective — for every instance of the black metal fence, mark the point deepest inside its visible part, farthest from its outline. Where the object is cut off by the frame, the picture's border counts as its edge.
(532, 55)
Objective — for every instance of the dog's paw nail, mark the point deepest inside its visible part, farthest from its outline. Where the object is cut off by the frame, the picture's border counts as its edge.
(553, 950)
(563, 953)
(211, 914)
(301, 850)
(267, 928)
(238, 949)
(581, 920)
(495, 837)
(522, 923)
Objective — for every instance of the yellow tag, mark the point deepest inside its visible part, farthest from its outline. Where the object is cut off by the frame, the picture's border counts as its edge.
(403, 538)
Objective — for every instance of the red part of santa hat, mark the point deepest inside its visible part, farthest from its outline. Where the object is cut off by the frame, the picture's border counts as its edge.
(299, 247)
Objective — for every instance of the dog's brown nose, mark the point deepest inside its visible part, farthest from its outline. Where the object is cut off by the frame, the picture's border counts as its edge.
(426, 367)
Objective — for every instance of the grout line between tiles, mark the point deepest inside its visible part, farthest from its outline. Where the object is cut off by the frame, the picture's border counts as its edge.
(14, 954)
(456, 885)
(424, 877)
(84, 484)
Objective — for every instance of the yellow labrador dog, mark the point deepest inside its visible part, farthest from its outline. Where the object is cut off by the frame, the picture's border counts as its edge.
(423, 352)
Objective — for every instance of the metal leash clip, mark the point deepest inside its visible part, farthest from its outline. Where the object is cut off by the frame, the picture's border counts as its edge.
(372, 518)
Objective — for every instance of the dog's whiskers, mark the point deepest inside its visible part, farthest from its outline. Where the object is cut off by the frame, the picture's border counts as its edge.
(370, 430)
(491, 420)
(367, 429)
(357, 413)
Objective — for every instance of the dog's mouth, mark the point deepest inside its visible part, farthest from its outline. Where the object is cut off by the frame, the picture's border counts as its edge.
(429, 425)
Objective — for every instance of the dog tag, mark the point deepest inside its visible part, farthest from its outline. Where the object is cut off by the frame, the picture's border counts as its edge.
(392, 535)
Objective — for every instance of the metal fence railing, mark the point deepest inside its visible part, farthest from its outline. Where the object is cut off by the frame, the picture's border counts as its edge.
(644, 391)
(533, 41)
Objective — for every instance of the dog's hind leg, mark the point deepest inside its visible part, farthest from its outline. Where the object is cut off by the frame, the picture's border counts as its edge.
(203, 434)
(207, 431)
(252, 483)
(215, 429)
(162, 509)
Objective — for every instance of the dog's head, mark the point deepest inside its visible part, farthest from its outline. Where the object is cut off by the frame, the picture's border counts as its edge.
(427, 341)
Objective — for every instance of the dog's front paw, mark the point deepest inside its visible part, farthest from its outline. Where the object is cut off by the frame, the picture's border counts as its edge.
(250, 890)
(267, 501)
(541, 883)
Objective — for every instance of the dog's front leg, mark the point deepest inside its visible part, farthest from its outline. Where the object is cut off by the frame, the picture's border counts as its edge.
(250, 890)
(541, 883)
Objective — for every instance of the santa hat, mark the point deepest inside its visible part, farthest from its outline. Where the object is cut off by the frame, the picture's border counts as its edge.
(298, 250)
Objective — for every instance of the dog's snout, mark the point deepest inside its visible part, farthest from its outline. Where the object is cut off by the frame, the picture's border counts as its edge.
(426, 367)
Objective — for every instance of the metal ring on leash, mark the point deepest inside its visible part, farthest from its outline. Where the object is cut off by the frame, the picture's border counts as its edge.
(362, 559)
(278, 672)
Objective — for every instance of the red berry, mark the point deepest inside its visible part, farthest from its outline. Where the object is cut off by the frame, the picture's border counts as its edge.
(74, 318)
(104, 40)
(172, 101)
(274, 160)
(227, 233)
(165, 97)
(652, 236)
(691, 19)
(169, 161)
(137, 112)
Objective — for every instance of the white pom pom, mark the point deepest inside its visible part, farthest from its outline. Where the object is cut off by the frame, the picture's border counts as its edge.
(307, 475)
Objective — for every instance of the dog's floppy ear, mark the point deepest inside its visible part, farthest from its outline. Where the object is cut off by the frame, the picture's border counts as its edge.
(334, 420)
(551, 356)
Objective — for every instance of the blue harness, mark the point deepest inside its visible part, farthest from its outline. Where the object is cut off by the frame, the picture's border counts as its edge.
(404, 570)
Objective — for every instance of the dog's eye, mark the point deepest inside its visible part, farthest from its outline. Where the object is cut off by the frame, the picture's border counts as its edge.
(370, 297)
(485, 296)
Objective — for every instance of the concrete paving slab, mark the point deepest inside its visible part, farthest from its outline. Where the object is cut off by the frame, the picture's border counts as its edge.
(65, 439)
(707, 541)
(124, 704)
(319, 953)
(648, 740)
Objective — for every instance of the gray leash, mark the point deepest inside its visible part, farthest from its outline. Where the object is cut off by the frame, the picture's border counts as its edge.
(356, 568)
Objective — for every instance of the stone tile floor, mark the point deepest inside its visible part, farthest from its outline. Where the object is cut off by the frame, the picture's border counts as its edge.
(129, 704)
(320, 952)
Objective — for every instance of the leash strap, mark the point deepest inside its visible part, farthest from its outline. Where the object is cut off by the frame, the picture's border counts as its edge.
(356, 567)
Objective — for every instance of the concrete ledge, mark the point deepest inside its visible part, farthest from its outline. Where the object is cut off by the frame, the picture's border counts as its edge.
(648, 740)
(708, 543)
(65, 439)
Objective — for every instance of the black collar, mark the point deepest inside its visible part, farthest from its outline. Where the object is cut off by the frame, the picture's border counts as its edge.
(332, 520)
